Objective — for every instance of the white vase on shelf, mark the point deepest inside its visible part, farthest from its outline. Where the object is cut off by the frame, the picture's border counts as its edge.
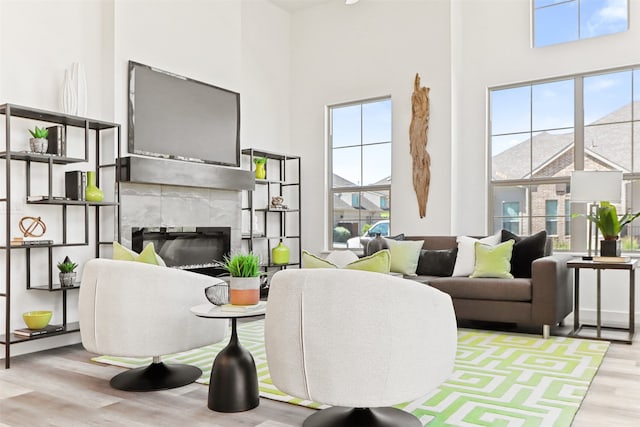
(68, 101)
(79, 82)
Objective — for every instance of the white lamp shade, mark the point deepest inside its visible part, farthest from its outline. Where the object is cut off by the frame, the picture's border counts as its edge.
(596, 186)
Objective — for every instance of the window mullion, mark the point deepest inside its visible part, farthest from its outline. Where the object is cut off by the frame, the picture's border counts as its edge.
(578, 124)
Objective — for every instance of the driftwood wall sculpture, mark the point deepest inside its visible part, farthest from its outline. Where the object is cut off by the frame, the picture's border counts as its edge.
(418, 140)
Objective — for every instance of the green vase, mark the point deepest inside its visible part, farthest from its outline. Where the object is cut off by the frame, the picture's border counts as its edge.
(92, 193)
(280, 254)
(261, 172)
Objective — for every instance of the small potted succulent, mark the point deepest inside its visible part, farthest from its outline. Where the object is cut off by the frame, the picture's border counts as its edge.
(67, 272)
(244, 286)
(39, 142)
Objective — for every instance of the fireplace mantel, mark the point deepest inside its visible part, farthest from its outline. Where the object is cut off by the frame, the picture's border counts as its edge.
(147, 170)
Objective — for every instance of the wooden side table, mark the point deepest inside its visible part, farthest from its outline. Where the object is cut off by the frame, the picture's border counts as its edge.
(599, 266)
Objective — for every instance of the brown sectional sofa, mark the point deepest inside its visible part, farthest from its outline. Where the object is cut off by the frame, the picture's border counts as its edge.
(543, 300)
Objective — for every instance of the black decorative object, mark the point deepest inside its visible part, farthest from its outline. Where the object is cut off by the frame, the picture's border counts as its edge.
(610, 248)
(234, 381)
(376, 244)
(339, 416)
(156, 376)
(218, 294)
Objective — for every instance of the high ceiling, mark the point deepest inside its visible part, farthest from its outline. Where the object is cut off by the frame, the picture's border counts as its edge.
(295, 5)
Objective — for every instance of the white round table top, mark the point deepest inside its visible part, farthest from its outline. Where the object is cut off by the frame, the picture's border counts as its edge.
(229, 311)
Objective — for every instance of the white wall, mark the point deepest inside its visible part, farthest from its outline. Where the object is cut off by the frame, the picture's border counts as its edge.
(242, 45)
(370, 49)
(35, 54)
(266, 77)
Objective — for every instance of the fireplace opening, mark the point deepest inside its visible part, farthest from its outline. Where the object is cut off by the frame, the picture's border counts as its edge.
(197, 249)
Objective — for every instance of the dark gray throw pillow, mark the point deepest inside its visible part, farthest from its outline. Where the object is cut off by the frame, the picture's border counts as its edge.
(436, 262)
(525, 251)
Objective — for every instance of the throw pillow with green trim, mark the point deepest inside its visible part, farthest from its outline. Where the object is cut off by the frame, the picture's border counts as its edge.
(493, 261)
(379, 262)
(404, 255)
(310, 260)
(148, 254)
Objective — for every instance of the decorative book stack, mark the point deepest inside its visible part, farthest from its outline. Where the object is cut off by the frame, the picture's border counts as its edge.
(26, 332)
(75, 183)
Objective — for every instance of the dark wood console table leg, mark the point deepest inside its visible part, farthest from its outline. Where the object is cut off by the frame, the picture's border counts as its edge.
(233, 386)
(632, 304)
(598, 305)
(576, 302)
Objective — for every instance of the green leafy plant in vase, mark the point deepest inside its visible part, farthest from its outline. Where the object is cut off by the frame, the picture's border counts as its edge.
(244, 286)
(67, 272)
(610, 225)
(39, 142)
(260, 162)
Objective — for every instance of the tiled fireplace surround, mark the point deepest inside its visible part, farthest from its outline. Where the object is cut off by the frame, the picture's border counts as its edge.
(154, 205)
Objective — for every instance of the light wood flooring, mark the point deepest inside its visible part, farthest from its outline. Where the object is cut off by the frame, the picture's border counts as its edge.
(62, 387)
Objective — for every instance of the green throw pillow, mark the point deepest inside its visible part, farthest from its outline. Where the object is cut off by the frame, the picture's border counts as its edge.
(404, 255)
(380, 262)
(148, 254)
(310, 260)
(493, 261)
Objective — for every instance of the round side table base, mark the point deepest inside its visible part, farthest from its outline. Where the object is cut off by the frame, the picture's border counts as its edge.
(234, 382)
(338, 416)
(156, 376)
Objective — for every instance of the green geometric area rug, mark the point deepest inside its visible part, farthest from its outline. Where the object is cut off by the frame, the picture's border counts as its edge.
(499, 379)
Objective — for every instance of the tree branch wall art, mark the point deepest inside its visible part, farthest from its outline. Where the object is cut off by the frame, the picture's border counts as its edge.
(418, 144)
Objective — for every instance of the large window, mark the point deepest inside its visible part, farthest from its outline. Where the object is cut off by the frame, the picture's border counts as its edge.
(542, 131)
(559, 21)
(360, 169)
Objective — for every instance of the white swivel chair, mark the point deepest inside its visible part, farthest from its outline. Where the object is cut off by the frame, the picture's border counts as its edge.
(358, 341)
(134, 309)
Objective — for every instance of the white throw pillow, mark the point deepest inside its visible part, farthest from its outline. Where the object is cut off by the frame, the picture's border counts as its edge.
(466, 258)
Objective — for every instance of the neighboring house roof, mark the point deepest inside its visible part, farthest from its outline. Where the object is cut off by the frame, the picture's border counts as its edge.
(339, 181)
(366, 202)
(604, 141)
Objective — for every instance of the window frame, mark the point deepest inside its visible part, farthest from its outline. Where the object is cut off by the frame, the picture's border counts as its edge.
(579, 24)
(332, 191)
(577, 236)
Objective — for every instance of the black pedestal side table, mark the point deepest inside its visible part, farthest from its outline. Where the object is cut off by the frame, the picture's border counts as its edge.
(578, 265)
(233, 386)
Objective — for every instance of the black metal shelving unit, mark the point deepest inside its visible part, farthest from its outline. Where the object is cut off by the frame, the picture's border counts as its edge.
(283, 179)
(90, 126)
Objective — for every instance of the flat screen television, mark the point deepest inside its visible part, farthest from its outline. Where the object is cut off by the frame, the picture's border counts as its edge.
(175, 117)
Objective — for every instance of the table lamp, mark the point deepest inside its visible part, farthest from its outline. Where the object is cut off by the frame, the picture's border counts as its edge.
(593, 187)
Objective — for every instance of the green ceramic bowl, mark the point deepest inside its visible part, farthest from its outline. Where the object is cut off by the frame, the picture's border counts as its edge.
(37, 319)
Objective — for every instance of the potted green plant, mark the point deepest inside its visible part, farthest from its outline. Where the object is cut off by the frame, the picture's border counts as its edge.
(39, 142)
(610, 226)
(244, 286)
(260, 162)
(67, 272)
